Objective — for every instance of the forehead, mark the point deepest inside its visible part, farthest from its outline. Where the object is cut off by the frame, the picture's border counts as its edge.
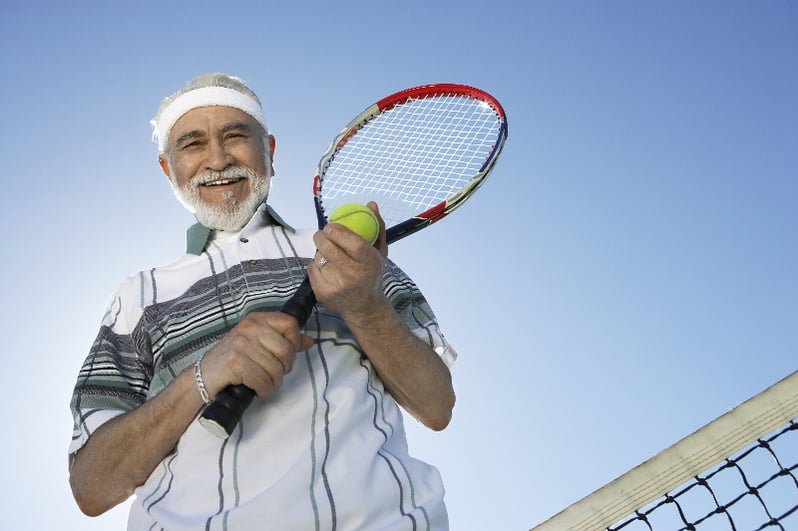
(210, 119)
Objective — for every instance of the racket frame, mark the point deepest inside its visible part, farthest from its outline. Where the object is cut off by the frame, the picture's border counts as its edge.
(227, 408)
(444, 208)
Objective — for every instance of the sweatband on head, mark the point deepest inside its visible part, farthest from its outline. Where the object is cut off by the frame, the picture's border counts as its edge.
(203, 97)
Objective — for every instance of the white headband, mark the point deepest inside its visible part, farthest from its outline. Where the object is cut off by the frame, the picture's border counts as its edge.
(203, 97)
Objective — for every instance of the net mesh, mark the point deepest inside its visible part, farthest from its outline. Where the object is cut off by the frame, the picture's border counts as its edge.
(754, 490)
(411, 157)
(739, 472)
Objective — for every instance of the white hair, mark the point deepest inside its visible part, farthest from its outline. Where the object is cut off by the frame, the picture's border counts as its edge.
(204, 91)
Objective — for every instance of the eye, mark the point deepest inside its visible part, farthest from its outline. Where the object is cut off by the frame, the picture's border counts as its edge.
(235, 136)
(194, 144)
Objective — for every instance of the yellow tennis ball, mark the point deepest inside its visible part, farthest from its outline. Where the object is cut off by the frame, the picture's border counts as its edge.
(359, 219)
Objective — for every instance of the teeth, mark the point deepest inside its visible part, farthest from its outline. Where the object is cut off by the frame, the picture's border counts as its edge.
(221, 182)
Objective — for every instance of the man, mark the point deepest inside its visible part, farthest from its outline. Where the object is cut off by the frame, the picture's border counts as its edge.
(323, 445)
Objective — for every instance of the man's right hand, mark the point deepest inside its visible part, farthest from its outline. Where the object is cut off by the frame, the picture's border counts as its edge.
(123, 452)
(257, 353)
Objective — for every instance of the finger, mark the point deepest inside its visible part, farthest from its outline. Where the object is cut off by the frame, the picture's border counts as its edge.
(381, 244)
(233, 361)
(259, 338)
(266, 380)
(289, 340)
(330, 243)
(305, 342)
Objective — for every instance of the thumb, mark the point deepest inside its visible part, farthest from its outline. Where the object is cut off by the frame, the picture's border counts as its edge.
(305, 342)
(381, 243)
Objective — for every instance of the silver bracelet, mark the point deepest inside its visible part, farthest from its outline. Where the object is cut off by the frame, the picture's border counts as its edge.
(200, 384)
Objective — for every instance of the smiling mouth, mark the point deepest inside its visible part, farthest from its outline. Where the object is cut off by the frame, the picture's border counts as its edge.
(223, 182)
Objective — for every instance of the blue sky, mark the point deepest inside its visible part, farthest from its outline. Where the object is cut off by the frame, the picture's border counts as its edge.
(627, 274)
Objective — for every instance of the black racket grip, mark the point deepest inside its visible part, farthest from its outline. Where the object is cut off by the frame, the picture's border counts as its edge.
(222, 415)
(301, 303)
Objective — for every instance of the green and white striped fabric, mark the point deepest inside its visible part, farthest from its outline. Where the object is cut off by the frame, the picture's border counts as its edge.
(327, 451)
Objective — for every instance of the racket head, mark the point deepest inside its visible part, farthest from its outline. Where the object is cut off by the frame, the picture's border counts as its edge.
(419, 153)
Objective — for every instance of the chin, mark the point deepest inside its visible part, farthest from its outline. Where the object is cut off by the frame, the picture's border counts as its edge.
(229, 214)
(229, 218)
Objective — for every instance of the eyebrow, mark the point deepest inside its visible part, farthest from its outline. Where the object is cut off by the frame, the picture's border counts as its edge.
(226, 128)
(188, 136)
(232, 126)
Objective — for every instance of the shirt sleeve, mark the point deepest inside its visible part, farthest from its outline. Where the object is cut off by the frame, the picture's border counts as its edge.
(412, 307)
(115, 375)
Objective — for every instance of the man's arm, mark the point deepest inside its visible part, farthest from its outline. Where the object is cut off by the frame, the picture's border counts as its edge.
(122, 453)
(412, 372)
(350, 285)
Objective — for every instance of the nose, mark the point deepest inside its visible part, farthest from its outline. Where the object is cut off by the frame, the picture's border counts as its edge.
(218, 158)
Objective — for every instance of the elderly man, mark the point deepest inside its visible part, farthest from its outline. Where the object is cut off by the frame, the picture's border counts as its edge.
(323, 445)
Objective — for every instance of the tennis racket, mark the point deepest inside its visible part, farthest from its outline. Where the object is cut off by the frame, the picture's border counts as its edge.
(419, 153)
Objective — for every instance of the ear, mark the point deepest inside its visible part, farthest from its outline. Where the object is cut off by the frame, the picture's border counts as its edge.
(164, 167)
(272, 145)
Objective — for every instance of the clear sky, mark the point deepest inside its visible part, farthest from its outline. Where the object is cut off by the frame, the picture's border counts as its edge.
(627, 274)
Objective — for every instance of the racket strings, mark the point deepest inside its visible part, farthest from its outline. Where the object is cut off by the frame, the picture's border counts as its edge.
(413, 156)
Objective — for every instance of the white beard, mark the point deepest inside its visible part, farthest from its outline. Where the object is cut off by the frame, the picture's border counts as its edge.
(231, 215)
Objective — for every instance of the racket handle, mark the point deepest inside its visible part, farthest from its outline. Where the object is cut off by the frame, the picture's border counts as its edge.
(301, 303)
(222, 415)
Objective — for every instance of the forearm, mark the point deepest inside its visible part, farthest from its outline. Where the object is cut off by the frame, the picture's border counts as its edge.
(351, 285)
(411, 370)
(123, 452)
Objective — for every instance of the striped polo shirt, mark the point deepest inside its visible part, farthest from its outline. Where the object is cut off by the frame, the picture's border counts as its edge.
(327, 451)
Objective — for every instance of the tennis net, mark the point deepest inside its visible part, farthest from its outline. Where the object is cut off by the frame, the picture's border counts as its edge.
(739, 472)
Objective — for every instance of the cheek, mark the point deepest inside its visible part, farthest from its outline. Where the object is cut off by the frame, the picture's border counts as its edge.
(252, 158)
(182, 171)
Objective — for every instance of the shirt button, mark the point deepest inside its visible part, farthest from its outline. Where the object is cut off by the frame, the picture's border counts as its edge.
(243, 240)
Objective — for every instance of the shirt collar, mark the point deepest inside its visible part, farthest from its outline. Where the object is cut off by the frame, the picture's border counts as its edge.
(198, 235)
